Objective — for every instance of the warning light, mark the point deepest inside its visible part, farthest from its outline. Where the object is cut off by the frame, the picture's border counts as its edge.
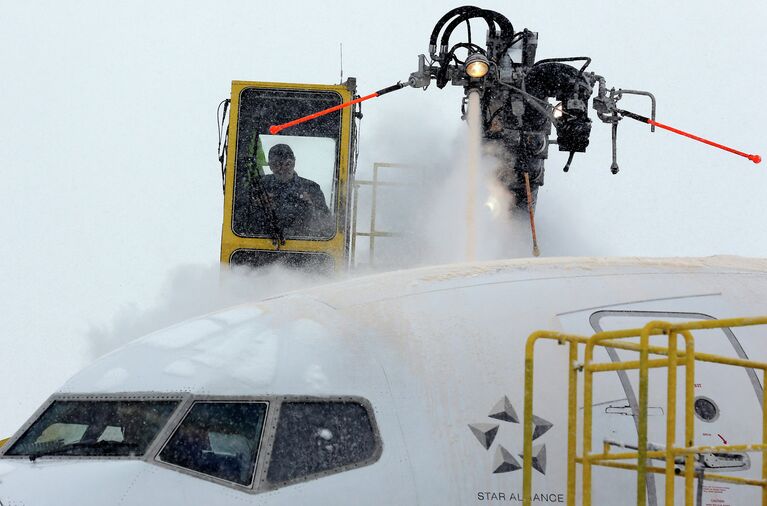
(477, 65)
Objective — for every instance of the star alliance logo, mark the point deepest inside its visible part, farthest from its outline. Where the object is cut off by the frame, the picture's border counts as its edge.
(503, 460)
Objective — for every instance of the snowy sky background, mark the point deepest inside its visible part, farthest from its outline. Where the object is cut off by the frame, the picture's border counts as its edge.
(111, 194)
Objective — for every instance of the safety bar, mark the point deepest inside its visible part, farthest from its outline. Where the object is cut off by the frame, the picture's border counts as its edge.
(675, 357)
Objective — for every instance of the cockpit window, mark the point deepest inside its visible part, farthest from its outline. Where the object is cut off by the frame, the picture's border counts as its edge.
(286, 184)
(219, 439)
(318, 436)
(103, 428)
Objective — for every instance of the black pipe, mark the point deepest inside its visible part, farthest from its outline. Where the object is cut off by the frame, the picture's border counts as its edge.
(389, 89)
(572, 58)
(491, 17)
(444, 19)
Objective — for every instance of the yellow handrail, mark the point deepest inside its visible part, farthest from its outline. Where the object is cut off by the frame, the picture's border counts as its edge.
(675, 358)
(572, 407)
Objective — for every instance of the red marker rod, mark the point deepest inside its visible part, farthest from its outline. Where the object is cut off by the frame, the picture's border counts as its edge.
(275, 129)
(754, 158)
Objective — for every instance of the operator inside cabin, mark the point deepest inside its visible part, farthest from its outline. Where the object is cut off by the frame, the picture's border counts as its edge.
(296, 204)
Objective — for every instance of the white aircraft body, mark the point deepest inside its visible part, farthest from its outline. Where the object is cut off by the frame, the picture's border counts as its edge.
(393, 389)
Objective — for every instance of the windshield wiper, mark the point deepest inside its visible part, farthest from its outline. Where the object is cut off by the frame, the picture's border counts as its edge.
(259, 196)
(260, 199)
(92, 444)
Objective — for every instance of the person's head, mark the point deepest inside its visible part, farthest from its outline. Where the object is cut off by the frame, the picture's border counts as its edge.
(282, 162)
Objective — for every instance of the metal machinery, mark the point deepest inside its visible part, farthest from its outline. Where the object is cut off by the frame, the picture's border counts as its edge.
(324, 150)
(517, 117)
(520, 99)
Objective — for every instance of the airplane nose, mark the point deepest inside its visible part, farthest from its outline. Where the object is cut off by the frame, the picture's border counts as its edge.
(74, 481)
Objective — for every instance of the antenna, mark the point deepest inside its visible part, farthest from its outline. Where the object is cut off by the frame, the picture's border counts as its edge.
(341, 46)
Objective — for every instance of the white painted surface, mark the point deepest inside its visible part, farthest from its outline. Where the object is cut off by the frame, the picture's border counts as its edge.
(433, 350)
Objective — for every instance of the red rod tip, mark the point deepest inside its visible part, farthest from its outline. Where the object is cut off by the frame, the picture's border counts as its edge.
(755, 158)
(274, 129)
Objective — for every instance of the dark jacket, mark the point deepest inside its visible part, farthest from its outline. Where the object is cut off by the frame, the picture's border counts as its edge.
(298, 205)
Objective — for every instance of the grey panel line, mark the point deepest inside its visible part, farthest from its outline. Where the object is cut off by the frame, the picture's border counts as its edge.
(714, 294)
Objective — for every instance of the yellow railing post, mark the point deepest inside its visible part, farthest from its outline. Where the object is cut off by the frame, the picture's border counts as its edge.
(689, 416)
(572, 411)
(764, 441)
(572, 420)
(644, 342)
(587, 415)
(671, 417)
(527, 423)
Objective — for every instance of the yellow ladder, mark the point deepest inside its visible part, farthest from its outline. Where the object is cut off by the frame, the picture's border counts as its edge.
(673, 358)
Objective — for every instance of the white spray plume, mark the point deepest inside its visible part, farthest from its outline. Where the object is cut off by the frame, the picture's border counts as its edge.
(431, 209)
(193, 290)
(430, 212)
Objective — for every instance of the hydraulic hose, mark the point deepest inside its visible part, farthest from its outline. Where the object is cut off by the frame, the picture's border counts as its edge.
(491, 17)
(444, 19)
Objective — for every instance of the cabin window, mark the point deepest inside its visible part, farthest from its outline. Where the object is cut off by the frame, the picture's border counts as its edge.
(103, 428)
(313, 262)
(287, 183)
(218, 439)
(318, 436)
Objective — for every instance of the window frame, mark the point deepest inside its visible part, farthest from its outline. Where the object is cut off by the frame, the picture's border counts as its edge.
(338, 246)
(266, 485)
(186, 401)
(151, 449)
(336, 202)
(220, 400)
(260, 484)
